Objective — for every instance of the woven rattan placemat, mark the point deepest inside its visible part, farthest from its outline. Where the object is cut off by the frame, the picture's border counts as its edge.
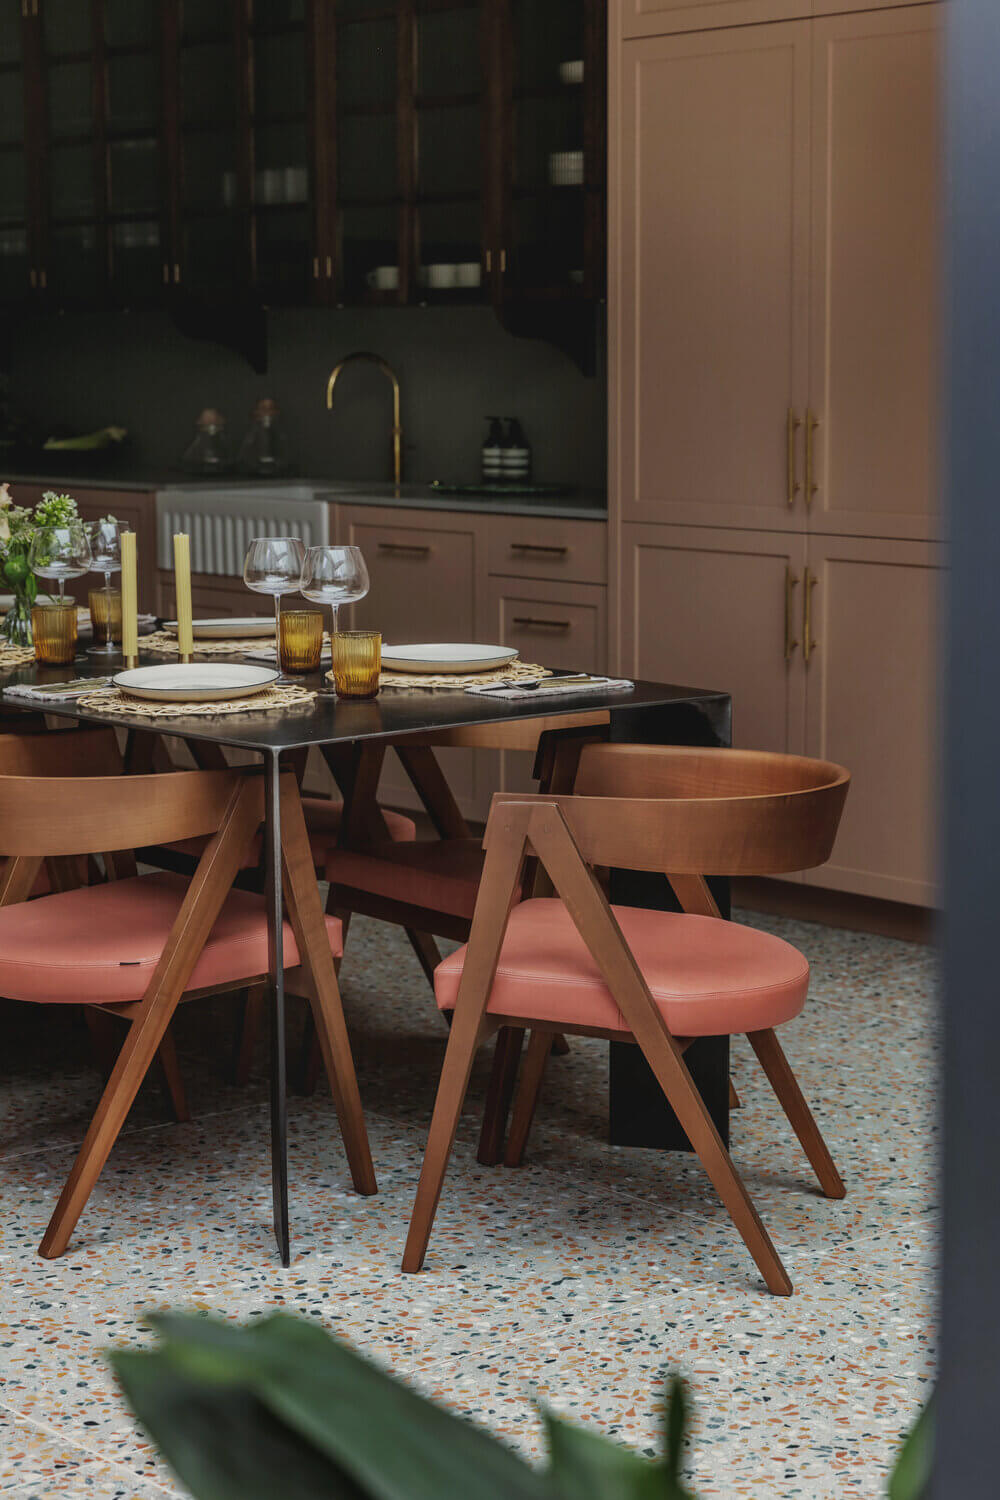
(163, 644)
(114, 701)
(15, 656)
(518, 671)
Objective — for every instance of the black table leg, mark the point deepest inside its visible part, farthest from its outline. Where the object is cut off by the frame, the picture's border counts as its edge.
(639, 1115)
(276, 974)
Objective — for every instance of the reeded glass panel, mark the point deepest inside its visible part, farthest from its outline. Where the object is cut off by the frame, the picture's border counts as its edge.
(368, 252)
(448, 52)
(70, 98)
(134, 91)
(11, 108)
(449, 151)
(279, 76)
(130, 23)
(279, 12)
(66, 26)
(71, 181)
(367, 156)
(136, 258)
(206, 18)
(283, 254)
(13, 187)
(208, 83)
(74, 268)
(133, 176)
(10, 33)
(449, 236)
(366, 65)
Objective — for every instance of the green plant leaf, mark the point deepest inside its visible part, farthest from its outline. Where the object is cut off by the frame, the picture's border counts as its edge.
(587, 1466)
(676, 1426)
(912, 1473)
(390, 1442)
(221, 1442)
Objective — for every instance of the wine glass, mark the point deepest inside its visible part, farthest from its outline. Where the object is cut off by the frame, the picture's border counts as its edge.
(106, 558)
(273, 566)
(334, 576)
(60, 552)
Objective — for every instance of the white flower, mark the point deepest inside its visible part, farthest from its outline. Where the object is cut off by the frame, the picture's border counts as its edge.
(6, 502)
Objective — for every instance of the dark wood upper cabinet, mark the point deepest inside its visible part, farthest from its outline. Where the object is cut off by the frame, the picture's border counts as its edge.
(345, 152)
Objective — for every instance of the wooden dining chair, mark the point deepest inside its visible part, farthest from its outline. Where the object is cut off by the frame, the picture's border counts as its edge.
(429, 887)
(658, 979)
(137, 946)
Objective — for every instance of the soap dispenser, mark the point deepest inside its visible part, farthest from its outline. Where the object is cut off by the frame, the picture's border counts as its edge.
(493, 452)
(515, 461)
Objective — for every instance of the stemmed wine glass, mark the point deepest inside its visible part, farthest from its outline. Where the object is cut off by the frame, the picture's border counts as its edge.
(106, 558)
(60, 552)
(334, 576)
(273, 566)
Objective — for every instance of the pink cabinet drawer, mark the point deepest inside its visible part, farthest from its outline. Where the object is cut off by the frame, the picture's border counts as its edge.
(547, 547)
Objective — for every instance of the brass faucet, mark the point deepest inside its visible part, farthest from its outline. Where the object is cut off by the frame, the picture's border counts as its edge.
(397, 429)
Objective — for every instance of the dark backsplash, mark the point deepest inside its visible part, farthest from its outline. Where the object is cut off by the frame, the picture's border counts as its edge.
(89, 370)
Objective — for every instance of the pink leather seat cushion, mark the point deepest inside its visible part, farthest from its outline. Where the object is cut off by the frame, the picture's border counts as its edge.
(443, 874)
(709, 977)
(323, 818)
(100, 944)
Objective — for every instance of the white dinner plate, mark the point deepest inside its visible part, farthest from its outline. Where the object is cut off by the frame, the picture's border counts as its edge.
(195, 682)
(447, 657)
(226, 630)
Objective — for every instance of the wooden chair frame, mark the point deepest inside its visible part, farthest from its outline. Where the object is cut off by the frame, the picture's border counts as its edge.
(43, 816)
(678, 832)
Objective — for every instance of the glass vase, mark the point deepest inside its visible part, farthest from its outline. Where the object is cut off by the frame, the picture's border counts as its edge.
(15, 627)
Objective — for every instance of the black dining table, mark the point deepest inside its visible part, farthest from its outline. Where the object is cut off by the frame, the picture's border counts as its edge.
(648, 713)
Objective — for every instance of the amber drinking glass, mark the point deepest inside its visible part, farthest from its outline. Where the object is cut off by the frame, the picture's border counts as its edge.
(106, 617)
(357, 662)
(53, 629)
(300, 640)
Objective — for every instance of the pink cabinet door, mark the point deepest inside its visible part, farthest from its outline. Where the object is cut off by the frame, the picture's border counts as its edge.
(872, 706)
(660, 17)
(719, 609)
(708, 287)
(874, 385)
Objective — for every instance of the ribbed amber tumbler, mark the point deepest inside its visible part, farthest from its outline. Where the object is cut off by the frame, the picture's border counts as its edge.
(53, 630)
(105, 614)
(300, 640)
(357, 662)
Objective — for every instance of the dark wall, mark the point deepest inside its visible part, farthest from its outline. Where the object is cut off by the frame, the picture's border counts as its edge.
(455, 365)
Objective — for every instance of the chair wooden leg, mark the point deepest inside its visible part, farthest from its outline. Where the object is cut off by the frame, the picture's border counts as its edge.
(735, 1102)
(463, 1041)
(503, 1076)
(537, 1055)
(426, 950)
(560, 1046)
(252, 1013)
(310, 1057)
(772, 1059)
(102, 1029)
(172, 1077)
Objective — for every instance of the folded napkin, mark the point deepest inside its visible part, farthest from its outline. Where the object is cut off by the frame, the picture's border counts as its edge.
(553, 687)
(55, 692)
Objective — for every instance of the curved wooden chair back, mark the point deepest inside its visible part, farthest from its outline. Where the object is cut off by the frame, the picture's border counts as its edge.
(58, 815)
(77, 752)
(699, 811)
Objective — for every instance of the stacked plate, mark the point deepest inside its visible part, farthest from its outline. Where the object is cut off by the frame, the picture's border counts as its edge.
(227, 630)
(429, 659)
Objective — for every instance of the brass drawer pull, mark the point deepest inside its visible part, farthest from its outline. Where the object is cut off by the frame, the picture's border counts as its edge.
(809, 644)
(416, 549)
(534, 624)
(791, 584)
(537, 547)
(812, 422)
(792, 425)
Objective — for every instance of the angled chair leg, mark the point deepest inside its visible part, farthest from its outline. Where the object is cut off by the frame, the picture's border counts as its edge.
(251, 1020)
(772, 1059)
(540, 1047)
(560, 1046)
(503, 1076)
(426, 950)
(172, 1077)
(735, 1102)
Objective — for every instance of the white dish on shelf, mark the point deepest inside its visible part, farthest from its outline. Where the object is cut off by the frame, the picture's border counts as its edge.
(195, 682)
(228, 629)
(447, 656)
(571, 71)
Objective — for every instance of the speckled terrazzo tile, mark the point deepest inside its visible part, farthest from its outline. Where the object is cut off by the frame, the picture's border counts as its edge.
(94, 1481)
(33, 1454)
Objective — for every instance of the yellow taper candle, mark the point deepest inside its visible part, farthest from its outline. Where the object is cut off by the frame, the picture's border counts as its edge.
(182, 584)
(130, 597)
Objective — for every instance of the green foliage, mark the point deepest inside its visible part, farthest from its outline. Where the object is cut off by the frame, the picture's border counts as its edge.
(279, 1408)
(913, 1467)
(54, 510)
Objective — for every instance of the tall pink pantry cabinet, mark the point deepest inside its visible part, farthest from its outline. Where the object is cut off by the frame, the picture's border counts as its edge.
(773, 286)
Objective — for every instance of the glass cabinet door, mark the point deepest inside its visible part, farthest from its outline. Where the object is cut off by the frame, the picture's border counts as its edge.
(211, 253)
(369, 261)
(555, 195)
(72, 267)
(450, 151)
(132, 148)
(14, 207)
(281, 153)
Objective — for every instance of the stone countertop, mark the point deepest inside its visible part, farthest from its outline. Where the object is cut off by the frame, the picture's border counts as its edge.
(575, 504)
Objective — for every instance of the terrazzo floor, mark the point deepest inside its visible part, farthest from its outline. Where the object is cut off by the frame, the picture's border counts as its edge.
(579, 1279)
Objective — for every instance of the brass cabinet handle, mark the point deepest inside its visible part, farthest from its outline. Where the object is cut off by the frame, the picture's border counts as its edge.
(33, 277)
(534, 624)
(43, 279)
(315, 268)
(812, 422)
(792, 424)
(538, 547)
(791, 584)
(503, 262)
(489, 261)
(329, 267)
(809, 643)
(177, 272)
(420, 549)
